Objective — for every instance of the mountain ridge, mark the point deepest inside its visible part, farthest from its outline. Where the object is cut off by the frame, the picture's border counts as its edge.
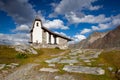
(101, 40)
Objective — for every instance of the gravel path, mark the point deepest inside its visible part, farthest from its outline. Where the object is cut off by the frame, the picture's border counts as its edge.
(30, 72)
(21, 73)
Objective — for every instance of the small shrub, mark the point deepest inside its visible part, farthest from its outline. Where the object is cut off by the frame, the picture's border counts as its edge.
(57, 48)
(21, 56)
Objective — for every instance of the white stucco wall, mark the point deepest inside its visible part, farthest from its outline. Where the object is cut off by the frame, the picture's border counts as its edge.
(47, 35)
(57, 40)
(52, 39)
(37, 33)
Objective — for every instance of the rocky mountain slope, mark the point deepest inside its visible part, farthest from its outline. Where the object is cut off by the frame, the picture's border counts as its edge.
(91, 39)
(87, 42)
(100, 40)
(110, 40)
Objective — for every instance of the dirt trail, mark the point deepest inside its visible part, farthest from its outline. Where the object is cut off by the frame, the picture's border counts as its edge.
(22, 72)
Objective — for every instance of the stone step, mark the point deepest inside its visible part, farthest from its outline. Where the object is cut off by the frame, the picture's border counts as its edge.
(84, 69)
(49, 70)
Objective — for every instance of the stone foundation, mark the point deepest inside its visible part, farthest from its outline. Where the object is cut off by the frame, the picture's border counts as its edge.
(35, 45)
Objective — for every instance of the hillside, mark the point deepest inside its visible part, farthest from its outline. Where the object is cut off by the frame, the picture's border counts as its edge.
(85, 43)
(56, 64)
(99, 40)
(110, 40)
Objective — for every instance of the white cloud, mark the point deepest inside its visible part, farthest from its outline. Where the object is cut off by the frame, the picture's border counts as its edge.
(22, 28)
(21, 11)
(95, 7)
(73, 18)
(101, 27)
(94, 28)
(66, 6)
(79, 37)
(84, 31)
(61, 33)
(116, 22)
(55, 24)
(15, 39)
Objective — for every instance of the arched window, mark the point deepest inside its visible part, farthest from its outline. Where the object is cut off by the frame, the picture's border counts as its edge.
(37, 24)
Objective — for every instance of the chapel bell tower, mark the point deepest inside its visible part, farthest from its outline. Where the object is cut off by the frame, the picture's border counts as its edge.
(36, 32)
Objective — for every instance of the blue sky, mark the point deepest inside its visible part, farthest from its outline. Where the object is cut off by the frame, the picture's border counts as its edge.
(76, 19)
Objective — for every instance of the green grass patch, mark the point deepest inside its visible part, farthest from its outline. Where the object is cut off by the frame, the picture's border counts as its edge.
(7, 54)
(112, 58)
(108, 59)
(21, 56)
(10, 55)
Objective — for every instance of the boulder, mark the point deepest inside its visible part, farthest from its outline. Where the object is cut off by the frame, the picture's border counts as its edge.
(25, 49)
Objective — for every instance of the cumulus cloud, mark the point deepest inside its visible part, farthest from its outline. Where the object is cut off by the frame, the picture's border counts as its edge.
(116, 20)
(84, 31)
(14, 39)
(55, 24)
(78, 37)
(73, 18)
(67, 6)
(94, 28)
(99, 27)
(112, 23)
(21, 11)
(95, 7)
(22, 28)
(61, 33)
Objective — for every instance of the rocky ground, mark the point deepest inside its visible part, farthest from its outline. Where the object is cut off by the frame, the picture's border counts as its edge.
(61, 67)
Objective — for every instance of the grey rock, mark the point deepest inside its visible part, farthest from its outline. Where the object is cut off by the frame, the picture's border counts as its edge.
(25, 48)
(110, 68)
(84, 69)
(11, 66)
(75, 52)
(117, 74)
(87, 60)
(49, 70)
(15, 64)
(100, 64)
(20, 73)
(4, 71)
(73, 57)
(92, 55)
(53, 60)
(2, 66)
(97, 54)
(89, 64)
(51, 65)
(69, 61)
(64, 77)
